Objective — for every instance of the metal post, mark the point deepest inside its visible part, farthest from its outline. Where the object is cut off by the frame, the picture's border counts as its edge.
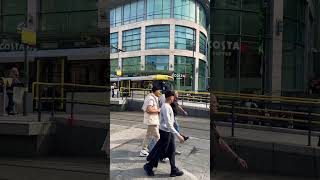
(53, 102)
(39, 106)
(232, 119)
(72, 104)
(4, 97)
(26, 74)
(309, 126)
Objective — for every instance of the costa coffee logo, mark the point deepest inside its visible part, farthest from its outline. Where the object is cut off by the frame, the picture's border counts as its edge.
(11, 46)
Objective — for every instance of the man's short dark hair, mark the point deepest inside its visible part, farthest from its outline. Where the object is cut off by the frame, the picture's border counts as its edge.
(155, 88)
(169, 93)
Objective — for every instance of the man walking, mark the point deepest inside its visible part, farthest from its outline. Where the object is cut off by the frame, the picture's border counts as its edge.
(165, 147)
(151, 119)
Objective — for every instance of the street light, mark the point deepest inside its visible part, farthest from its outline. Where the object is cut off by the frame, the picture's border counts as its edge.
(118, 50)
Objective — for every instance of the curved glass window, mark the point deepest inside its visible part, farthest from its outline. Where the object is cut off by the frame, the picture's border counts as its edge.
(131, 39)
(185, 9)
(158, 37)
(202, 17)
(158, 9)
(131, 65)
(139, 10)
(157, 64)
(184, 38)
(202, 75)
(184, 70)
(114, 42)
(203, 44)
(128, 13)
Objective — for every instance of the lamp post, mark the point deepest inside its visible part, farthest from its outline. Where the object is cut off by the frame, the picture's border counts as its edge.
(118, 74)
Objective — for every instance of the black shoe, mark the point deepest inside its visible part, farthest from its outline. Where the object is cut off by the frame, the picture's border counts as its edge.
(176, 172)
(148, 170)
(185, 138)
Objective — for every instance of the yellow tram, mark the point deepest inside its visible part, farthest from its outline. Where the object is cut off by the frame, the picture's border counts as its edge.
(143, 82)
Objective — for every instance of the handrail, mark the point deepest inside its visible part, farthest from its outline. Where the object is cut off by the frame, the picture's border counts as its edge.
(269, 110)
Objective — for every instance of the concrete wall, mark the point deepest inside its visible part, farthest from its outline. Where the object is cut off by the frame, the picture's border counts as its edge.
(79, 139)
(272, 158)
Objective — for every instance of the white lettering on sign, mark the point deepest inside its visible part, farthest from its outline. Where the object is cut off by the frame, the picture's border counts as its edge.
(225, 45)
(14, 47)
(224, 48)
(178, 76)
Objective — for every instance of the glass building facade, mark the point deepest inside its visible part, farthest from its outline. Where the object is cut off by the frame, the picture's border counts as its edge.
(168, 36)
(13, 12)
(257, 47)
(68, 16)
(293, 46)
(237, 45)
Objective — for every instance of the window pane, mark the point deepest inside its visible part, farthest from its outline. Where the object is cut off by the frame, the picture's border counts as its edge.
(126, 14)
(203, 44)
(157, 64)
(131, 66)
(150, 10)
(140, 11)
(184, 38)
(184, 70)
(226, 22)
(133, 12)
(158, 37)
(131, 40)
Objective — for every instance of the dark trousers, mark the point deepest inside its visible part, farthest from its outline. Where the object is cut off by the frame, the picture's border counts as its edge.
(165, 147)
(10, 102)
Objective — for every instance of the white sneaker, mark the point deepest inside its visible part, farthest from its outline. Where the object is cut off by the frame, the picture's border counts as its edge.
(178, 153)
(164, 160)
(144, 153)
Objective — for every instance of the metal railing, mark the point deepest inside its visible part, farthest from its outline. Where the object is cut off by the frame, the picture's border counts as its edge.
(69, 88)
(184, 96)
(274, 111)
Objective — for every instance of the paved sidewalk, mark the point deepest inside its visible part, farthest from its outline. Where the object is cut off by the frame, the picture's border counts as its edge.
(126, 164)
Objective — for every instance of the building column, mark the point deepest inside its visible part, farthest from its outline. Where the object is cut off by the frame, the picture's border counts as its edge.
(143, 38)
(276, 57)
(196, 74)
(171, 56)
(143, 63)
(120, 47)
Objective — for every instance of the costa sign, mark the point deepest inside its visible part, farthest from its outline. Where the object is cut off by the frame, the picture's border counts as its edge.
(4, 46)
